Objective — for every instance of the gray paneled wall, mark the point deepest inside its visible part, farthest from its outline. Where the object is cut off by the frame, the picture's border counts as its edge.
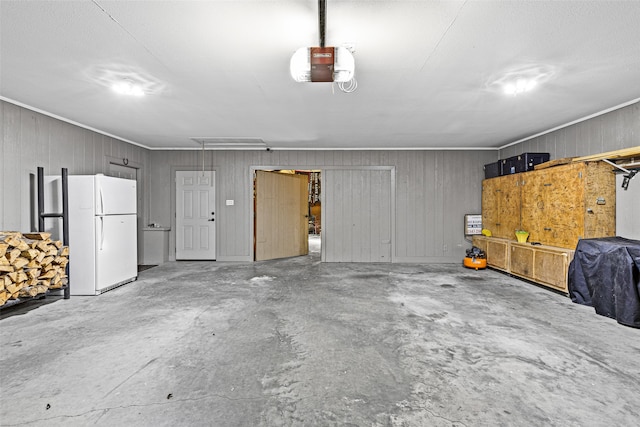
(615, 130)
(608, 132)
(31, 139)
(434, 189)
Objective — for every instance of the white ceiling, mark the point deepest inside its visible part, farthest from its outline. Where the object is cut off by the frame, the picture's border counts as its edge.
(427, 71)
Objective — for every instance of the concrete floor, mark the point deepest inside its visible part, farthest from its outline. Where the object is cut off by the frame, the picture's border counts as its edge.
(296, 342)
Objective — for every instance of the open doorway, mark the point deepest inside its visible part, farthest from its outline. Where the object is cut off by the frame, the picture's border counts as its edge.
(315, 211)
(287, 218)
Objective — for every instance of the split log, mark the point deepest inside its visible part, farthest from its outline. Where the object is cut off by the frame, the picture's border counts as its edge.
(48, 275)
(47, 260)
(16, 243)
(33, 273)
(43, 246)
(28, 291)
(12, 255)
(13, 288)
(4, 296)
(61, 261)
(17, 276)
(37, 236)
(19, 263)
(30, 253)
(3, 248)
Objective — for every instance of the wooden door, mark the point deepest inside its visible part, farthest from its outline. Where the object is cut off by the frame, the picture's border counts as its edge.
(357, 215)
(195, 215)
(281, 222)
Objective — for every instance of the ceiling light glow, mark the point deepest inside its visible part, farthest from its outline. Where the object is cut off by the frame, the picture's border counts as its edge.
(519, 86)
(521, 79)
(127, 88)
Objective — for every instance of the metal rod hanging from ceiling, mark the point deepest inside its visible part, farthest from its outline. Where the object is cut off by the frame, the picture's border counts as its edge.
(322, 19)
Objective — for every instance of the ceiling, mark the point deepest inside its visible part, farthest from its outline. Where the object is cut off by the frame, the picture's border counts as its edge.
(429, 73)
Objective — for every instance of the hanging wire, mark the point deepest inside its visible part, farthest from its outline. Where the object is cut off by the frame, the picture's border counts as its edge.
(348, 87)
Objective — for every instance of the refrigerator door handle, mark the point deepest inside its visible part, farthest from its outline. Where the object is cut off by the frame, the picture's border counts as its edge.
(101, 203)
(101, 232)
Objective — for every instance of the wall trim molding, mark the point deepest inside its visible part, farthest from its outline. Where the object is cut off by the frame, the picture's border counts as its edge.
(582, 119)
(71, 122)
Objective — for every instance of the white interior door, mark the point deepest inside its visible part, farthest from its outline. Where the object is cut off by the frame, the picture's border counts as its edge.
(195, 215)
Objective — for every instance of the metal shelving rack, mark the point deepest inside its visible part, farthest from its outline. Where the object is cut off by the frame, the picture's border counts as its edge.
(64, 215)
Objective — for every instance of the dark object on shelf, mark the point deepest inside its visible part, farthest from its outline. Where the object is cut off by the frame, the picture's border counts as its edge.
(605, 274)
(522, 163)
(492, 170)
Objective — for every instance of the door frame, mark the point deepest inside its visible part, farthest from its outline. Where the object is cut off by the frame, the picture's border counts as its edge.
(172, 232)
(322, 170)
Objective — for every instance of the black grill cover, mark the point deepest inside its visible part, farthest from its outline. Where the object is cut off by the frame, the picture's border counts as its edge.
(605, 274)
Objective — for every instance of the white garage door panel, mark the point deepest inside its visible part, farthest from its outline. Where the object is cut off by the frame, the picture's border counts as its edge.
(357, 216)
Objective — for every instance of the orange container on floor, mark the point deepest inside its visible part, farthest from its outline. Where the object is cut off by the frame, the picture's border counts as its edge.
(476, 263)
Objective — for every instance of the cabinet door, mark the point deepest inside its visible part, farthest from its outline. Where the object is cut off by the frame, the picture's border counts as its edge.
(509, 205)
(553, 205)
(501, 206)
(522, 260)
(551, 268)
(490, 207)
(599, 200)
(498, 254)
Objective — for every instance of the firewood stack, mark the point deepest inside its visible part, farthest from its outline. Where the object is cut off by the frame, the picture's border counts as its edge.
(30, 264)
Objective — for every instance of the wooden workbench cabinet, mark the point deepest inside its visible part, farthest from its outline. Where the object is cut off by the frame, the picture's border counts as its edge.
(546, 265)
(557, 206)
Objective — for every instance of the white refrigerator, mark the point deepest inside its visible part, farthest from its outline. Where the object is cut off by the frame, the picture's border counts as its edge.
(102, 232)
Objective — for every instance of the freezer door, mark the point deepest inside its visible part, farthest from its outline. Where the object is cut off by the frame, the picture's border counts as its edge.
(116, 250)
(115, 196)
